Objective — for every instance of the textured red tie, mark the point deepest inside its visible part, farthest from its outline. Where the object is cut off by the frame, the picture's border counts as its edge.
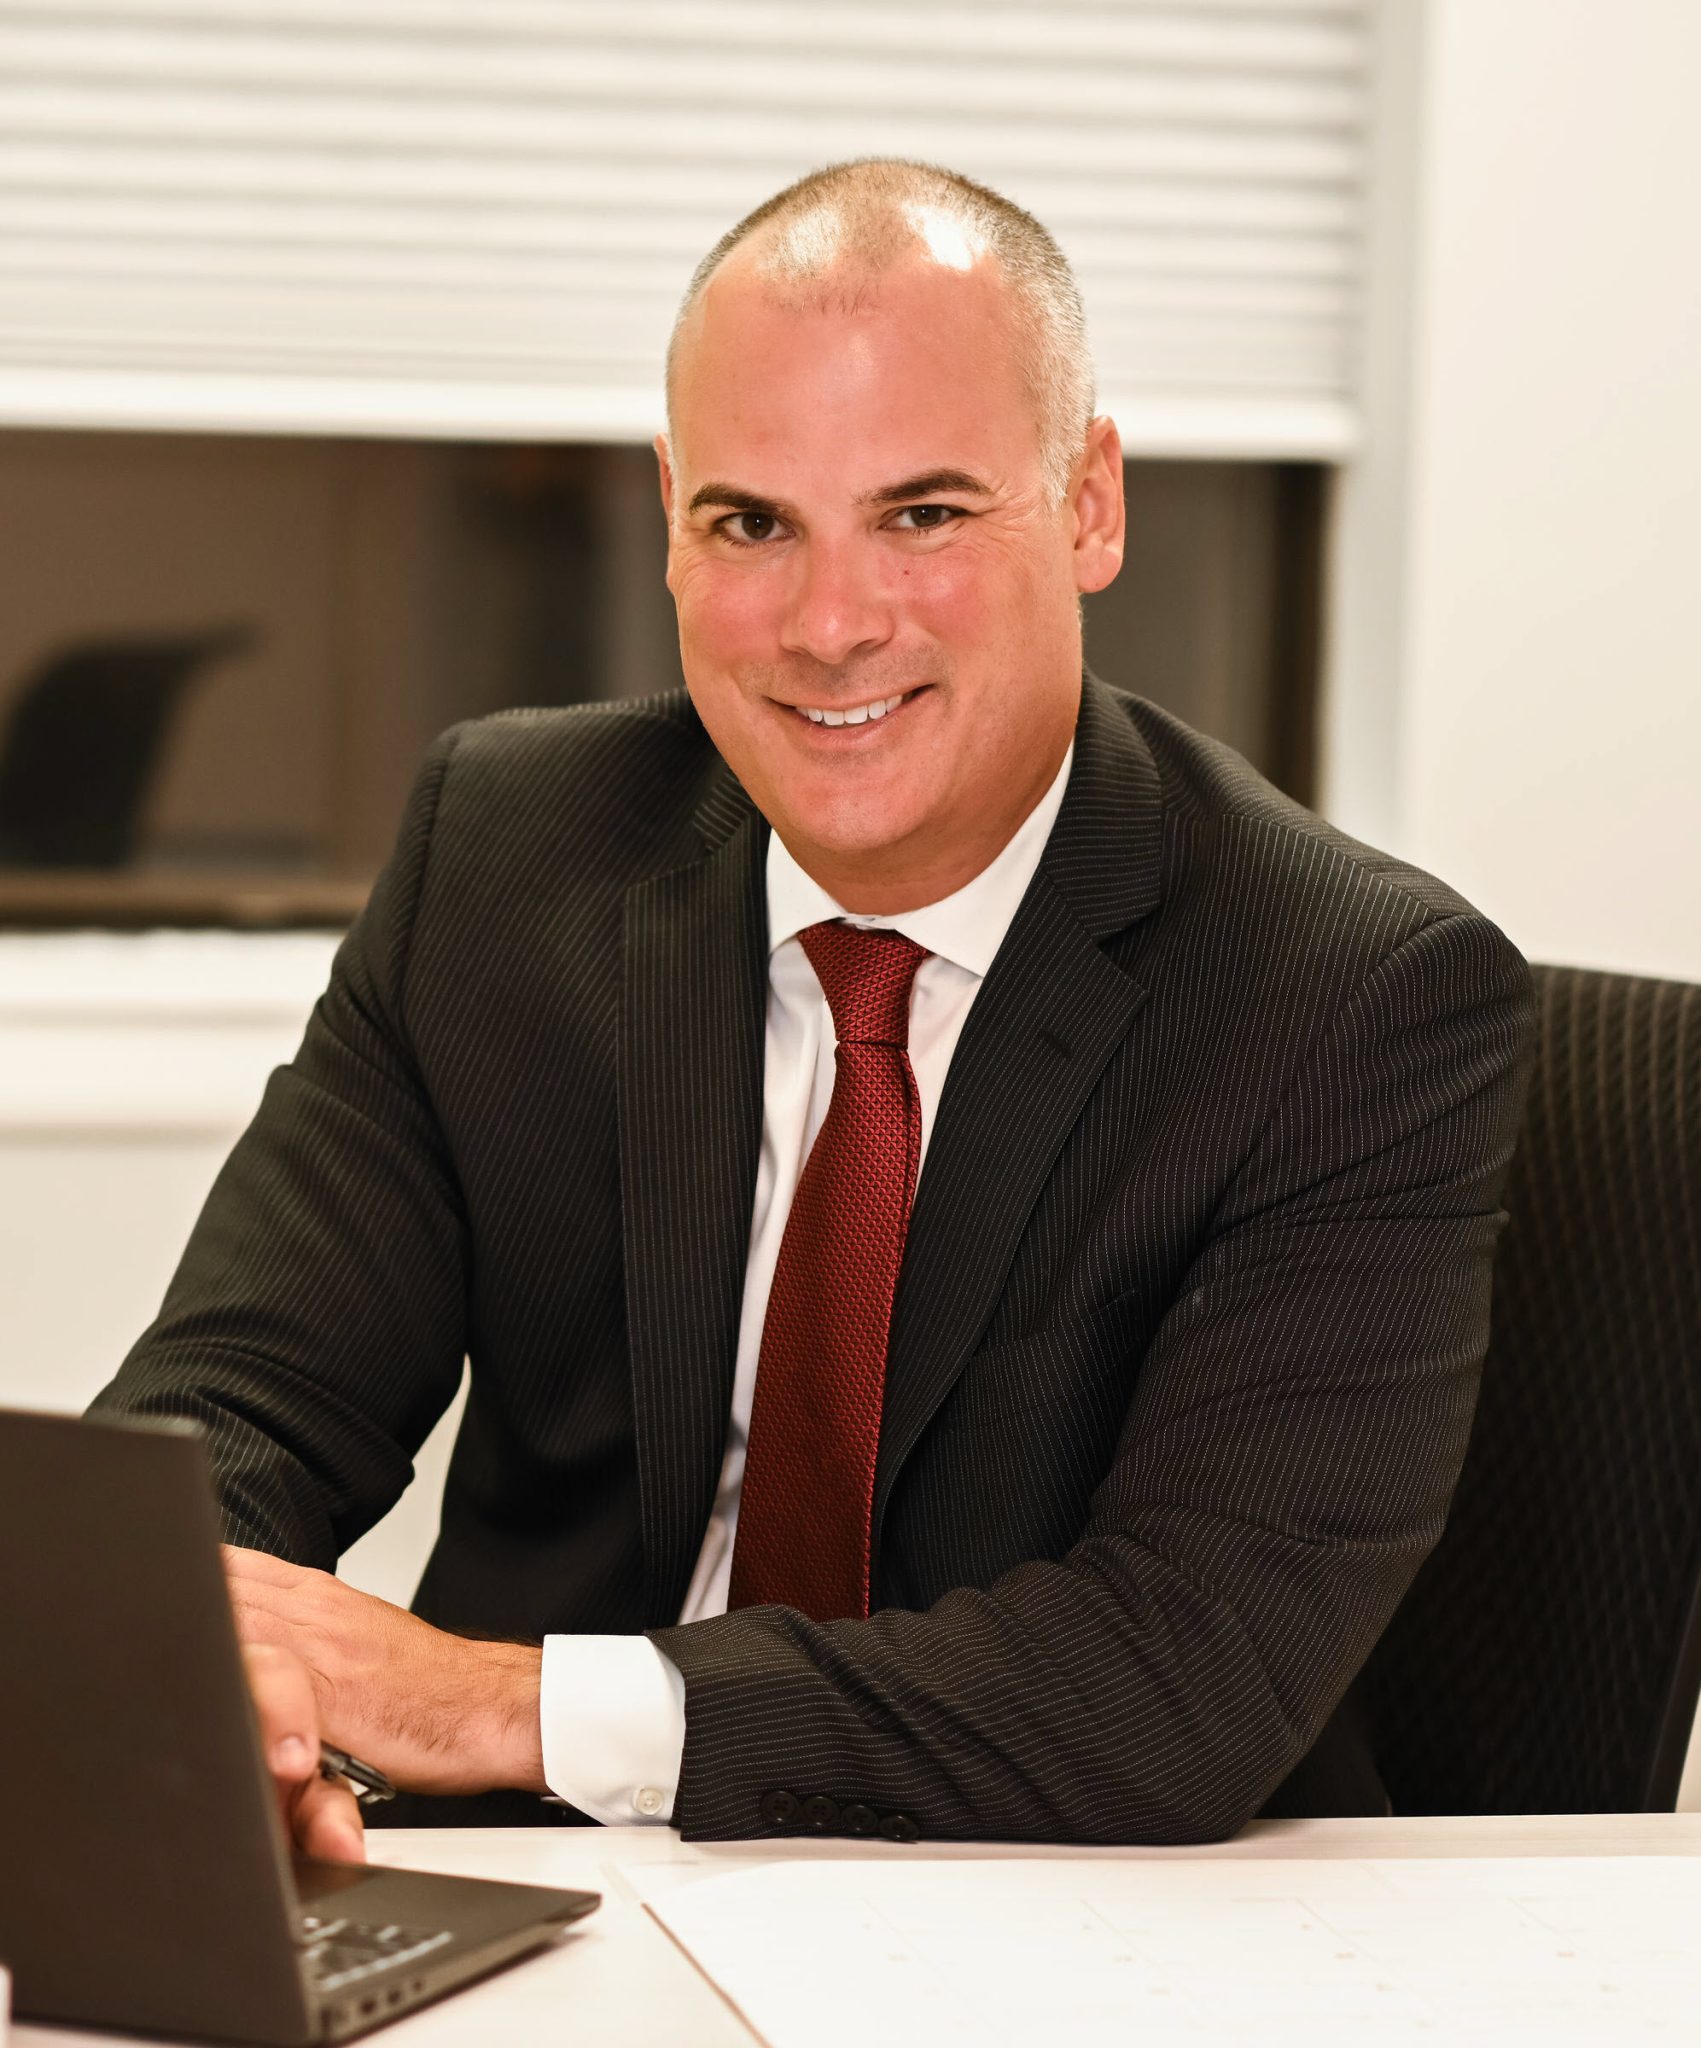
(806, 1505)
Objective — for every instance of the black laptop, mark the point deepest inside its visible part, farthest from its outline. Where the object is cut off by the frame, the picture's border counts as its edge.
(145, 1883)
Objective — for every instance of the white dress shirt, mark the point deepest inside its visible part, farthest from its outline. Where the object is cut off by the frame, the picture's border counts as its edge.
(613, 1707)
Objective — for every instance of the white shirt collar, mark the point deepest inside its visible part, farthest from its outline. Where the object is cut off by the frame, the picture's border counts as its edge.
(967, 927)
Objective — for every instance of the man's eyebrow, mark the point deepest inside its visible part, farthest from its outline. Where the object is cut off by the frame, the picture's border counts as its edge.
(929, 484)
(734, 499)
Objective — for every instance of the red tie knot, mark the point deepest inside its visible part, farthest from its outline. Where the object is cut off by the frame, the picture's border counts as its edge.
(866, 979)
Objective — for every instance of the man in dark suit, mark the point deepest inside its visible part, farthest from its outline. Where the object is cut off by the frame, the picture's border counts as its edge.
(970, 1214)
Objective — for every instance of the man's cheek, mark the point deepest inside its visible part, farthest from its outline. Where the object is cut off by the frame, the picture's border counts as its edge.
(951, 594)
(726, 604)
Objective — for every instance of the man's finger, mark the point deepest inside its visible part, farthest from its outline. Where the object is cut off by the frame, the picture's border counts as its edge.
(258, 1564)
(250, 1593)
(287, 1710)
(261, 1626)
(325, 1820)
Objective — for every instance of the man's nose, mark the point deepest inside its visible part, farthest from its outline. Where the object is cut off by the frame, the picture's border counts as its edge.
(836, 607)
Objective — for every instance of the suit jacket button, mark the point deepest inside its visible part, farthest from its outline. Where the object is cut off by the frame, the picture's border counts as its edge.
(898, 1827)
(779, 1807)
(820, 1813)
(860, 1820)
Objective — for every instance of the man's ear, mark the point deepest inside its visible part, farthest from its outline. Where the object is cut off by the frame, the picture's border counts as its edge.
(664, 470)
(1097, 501)
(664, 465)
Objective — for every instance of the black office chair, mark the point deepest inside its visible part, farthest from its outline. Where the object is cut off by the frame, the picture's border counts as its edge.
(84, 739)
(1548, 1656)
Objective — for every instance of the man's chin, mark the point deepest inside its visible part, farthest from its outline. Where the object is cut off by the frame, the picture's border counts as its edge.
(849, 810)
(849, 838)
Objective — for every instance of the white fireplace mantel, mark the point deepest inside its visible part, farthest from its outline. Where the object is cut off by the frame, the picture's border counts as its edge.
(170, 1034)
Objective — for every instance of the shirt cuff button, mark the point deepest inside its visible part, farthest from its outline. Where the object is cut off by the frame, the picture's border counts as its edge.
(648, 1801)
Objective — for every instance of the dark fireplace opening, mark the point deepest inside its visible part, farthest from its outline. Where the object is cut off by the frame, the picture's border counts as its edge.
(222, 655)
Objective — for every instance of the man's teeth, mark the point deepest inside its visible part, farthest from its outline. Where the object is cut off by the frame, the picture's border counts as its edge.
(858, 715)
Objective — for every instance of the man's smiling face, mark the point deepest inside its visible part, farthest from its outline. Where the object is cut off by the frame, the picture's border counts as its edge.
(877, 591)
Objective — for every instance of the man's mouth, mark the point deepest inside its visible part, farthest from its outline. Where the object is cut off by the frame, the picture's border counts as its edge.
(853, 714)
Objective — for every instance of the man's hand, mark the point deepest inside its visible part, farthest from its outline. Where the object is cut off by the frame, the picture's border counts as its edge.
(435, 1712)
(322, 1818)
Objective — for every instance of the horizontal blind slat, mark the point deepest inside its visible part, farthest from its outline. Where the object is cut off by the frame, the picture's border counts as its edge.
(605, 139)
(1277, 37)
(264, 70)
(442, 187)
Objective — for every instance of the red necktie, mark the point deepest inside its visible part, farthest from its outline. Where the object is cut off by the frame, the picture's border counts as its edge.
(807, 1500)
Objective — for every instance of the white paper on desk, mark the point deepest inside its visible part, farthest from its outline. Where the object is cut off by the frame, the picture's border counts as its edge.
(1482, 1951)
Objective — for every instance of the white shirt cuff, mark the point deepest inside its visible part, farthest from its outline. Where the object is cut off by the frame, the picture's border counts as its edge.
(612, 1713)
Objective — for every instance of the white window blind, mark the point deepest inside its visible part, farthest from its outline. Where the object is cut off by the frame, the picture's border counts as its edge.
(475, 217)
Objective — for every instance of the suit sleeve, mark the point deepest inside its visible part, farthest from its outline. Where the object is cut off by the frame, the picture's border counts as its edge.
(1296, 1431)
(315, 1324)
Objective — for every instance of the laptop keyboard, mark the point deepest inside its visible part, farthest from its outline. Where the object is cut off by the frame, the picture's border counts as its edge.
(339, 1953)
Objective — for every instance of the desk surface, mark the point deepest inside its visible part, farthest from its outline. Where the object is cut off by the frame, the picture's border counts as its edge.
(622, 1980)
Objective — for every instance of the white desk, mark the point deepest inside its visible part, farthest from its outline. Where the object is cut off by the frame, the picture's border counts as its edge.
(620, 1980)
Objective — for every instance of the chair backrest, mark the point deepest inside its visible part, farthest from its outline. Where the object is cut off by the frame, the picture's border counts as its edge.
(84, 739)
(1548, 1656)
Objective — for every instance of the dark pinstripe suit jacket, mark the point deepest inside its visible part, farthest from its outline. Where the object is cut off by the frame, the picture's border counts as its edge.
(1187, 1339)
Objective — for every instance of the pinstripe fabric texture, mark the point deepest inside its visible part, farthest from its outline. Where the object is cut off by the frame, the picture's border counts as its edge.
(1547, 1659)
(1187, 1337)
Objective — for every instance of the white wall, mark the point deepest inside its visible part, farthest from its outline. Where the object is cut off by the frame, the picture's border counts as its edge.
(1516, 694)
(1514, 689)
(127, 1068)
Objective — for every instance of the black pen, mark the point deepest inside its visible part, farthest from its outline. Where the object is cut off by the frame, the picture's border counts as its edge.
(371, 1785)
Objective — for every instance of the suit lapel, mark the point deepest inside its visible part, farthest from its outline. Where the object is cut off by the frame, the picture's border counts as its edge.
(1051, 1012)
(690, 1101)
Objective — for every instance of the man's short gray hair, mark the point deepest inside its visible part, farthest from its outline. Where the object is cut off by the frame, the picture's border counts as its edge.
(863, 215)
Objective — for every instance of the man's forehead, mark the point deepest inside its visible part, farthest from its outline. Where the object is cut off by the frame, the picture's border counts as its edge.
(920, 350)
(792, 462)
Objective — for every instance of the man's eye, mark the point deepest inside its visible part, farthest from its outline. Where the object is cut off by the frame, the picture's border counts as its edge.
(749, 528)
(928, 518)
